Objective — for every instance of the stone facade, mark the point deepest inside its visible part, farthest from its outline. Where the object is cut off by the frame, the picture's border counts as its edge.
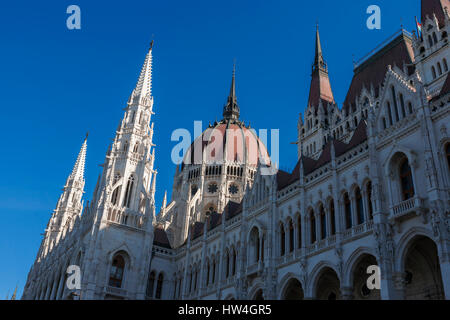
(371, 187)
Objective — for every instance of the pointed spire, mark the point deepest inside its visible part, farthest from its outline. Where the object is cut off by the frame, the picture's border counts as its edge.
(231, 109)
(318, 58)
(320, 90)
(78, 169)
(14, 294)
(164, 203)
(144, 85)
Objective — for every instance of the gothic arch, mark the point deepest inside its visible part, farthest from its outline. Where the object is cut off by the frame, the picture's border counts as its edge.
(255, 290)
(315, 275)
(405, 243)
(352, 262)
(285, 281)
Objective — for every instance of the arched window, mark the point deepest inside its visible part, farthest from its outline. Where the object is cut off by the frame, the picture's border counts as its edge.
(136, 147)
(439, 68)
(359, 206)
(227, 265)
(389, 113)
(323, 223)
(116, 273)
(291, 236)
(394, 99)
(125, 146)
(233, 269)
(348, 211)
(369, 199)
(159, 286)
(435, 38)
(430, 41)
(208, 271)
(433, 72)
(384, 123)
(402, 105)
(410, 107)
(406, 180)
(332, 218)
(115, 196)
(282, 240)
(445, 65)
(312, 220)
(150, 284)
(299, 233)
(254, 244)
(447, 151)
(128, 192)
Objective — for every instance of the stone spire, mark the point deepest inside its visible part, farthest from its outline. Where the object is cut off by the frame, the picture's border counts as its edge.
(320, 89)
(78, 168)
(143, 88)
(231, 109)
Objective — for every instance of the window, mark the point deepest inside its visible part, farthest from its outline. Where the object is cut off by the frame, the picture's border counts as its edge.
(312, 226)
(299, 226)
(332, 218)
(435, 38)
(369, 199)
(115, 196)
(447, 151)
(323, 223)
(439, 68)
(430, 41)
(282, 240)
(389, 113)
(359, 206)
(406, 181)
(136, 147)
(116, 273)
(291, 236)
(402, 104)
(151, 284)
(212, 188)
(445, 65)
(394, 98)
(227, 266)
(348, 211)
(233, 270)
(128, 192)
(233, 189)
(159, 286)
(433, 72)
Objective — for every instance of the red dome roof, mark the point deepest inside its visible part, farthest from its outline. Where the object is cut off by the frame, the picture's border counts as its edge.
(226, 140)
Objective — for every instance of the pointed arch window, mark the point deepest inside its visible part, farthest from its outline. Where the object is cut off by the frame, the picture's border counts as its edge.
(445, 65)
(291, 236)
(312, 220)
(439, 68)
(299, 231)
(433, 72)
(348, 211)
(128, 192)
(332, 218)
(394, 99)
(389, 113)
(117, 270)
(402, 105)
(227, 265)
(282, 240)
(406, 180)
(359, 206)
(447, 151)
(369, 199)
(323, 223)
(435, 37)
(159, 286)
(150, 284)
(136, 147)
(115, 196)
(233, 269)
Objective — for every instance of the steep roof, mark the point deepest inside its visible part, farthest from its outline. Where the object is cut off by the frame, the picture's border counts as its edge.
(446, 87)
(160, 238)
(371, 72)
(285, 179)
(436, 7)
(232, 209)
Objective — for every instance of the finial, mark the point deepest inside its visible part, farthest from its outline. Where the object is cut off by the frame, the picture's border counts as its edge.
(151, 44)
(87, 135)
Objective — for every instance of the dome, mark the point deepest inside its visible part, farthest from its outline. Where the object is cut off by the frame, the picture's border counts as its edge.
(228, 141)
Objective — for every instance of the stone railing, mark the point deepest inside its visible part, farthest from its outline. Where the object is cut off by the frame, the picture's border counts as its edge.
(116, 291)
(407, 206)
(123, 216)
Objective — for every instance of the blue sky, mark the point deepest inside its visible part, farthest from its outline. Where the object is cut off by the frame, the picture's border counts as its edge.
(56, 84)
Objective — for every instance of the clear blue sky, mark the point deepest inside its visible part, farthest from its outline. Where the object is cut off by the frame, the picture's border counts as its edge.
(56, 84)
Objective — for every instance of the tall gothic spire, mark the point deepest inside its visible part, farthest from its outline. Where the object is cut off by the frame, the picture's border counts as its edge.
(231, 109)
(144, 85)
(78, 168)
(320, 89)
